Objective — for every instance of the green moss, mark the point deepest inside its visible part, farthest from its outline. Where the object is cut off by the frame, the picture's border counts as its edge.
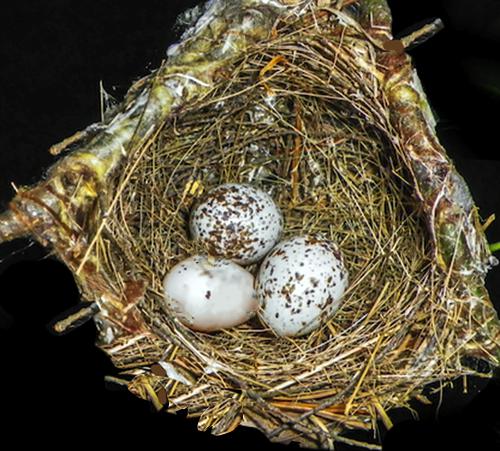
(451, 245)
(376, 10)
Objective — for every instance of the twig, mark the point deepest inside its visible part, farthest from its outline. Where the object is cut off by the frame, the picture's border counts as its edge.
(10, 227)
(422, 35)
(73, 320)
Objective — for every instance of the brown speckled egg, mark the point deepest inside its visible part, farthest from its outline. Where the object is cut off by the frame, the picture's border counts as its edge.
(300, 284)
(238, 222)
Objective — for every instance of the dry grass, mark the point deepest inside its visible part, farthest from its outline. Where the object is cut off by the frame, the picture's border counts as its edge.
(304, 118)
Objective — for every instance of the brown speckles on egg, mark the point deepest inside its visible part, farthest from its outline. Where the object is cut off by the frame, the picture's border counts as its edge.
(303, 284)
(236, 221)
(199, 296)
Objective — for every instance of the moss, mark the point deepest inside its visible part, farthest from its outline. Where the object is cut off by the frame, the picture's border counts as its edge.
(376, 12)
(450, 242)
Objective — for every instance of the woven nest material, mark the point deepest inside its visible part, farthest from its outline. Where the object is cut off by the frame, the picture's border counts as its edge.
(310, 104)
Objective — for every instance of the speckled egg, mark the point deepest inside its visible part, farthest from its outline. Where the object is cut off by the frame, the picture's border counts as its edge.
(238, 222)
(300, 284)
(209, 294)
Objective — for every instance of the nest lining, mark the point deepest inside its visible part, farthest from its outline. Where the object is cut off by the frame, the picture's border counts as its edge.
(304, 118)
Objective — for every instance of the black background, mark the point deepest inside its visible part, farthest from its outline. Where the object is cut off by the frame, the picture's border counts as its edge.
(53, 54)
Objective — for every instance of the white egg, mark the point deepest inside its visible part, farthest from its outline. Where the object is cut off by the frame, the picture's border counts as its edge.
(209, 294)
(237, 222)
(300, 284)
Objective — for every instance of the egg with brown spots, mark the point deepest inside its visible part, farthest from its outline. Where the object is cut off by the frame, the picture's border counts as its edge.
(209, 294)
(300, 285)
(238, 222)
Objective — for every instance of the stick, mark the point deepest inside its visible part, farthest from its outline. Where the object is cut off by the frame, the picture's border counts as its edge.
(10, 227)
(423, 34)
(76, 319)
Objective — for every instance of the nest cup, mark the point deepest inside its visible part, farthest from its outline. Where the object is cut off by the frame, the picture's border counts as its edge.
(303, 119)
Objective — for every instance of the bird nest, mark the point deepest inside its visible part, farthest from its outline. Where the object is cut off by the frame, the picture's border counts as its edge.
(333, 124)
